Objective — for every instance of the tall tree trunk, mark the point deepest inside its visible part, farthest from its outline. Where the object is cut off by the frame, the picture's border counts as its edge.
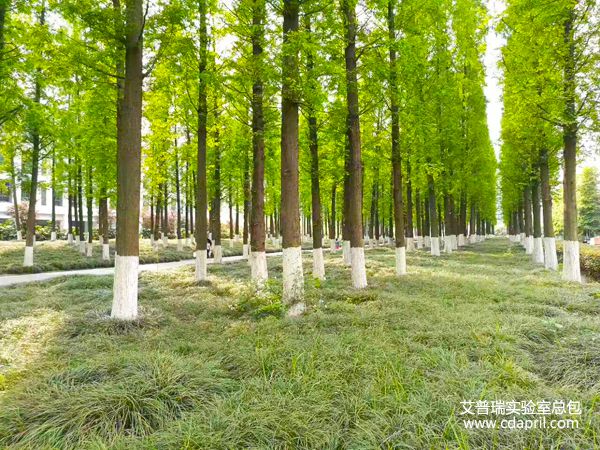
(104, 226)
(396, 156)
(80, 207)
(550, 257)
(129, 140)
(571, 269)
(35, 161)
(419, 212)
(246, 210)
(293, 277)
(178, 199)
(201, 199)
(433, 217)
(332, 216)
(538, 249)
(53, 189)
(313, 143)
(217, 249)
(90, 212)
(409, 209)
(230, 204)
(354, 219)
(258, 259)
(528, 221)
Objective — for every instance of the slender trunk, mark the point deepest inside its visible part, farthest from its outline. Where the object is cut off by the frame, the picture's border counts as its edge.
(571, 269)
(396, 156)
(53, 189)
(409, 202)
(177, 191)
(230, 204)
(293, 278)
(129, 140)
(332, 214)
(89, 205)
(13, 180)
(80, 202)
(201, 196)
(246, 211)
(354, 219)
(257, 233)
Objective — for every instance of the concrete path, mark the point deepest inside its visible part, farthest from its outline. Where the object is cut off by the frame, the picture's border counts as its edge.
(9, 280)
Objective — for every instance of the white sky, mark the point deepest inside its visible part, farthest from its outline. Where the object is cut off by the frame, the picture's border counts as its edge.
(493, 90)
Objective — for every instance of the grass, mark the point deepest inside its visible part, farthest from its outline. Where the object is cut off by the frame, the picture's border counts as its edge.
(58, 255)
(219, 366)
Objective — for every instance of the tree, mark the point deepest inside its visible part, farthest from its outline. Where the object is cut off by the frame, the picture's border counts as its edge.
(353, 185)
(293, 277)
(129, 147)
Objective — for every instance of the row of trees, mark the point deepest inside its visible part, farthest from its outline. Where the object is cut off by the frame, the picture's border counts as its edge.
(363, 120)
(551, 79)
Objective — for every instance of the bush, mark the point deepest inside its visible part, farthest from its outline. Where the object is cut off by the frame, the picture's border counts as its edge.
(8, 231)
(44, 232)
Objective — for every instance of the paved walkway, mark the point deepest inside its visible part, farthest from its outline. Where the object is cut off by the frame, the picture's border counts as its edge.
(9, 280)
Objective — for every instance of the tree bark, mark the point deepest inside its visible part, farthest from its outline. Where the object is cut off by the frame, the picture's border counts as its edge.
(202, 111)
(129, 139)
(258, 231)
(293, 279)
(354, 219)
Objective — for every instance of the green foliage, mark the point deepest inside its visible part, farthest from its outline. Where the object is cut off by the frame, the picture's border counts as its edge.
(589, 201)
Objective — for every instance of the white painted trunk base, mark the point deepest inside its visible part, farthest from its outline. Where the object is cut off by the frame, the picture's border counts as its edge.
(258, 267)
(410, 244)
(538, 251)
(20, 236)
(218, 254)
(28, 257)
(550, 258)
(400, 261)
(427, 241)
(318, 264)
(472, 239)
(230, 243)
(529, 245)
(200, 265)
(435, 246)
(165, 240)
(245, 250)
(461, 240)
(179, 245)
(447, 244)
(522, 239)
(293, 280)
(125, 288)
(571, 270)
(332, 245)
(346, 253)
(82, 246)
(106, 252)
(89, 249)
(53, 236)
(69, 238)
(419, 242)
(454, 241)
(359, 269)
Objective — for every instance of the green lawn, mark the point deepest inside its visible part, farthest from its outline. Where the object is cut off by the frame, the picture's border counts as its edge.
(58, 255)
(216, 366)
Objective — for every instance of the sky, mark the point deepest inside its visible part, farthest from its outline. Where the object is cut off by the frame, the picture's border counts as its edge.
(493, 90)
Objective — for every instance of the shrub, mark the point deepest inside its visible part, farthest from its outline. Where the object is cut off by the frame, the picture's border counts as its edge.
(8, 231)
